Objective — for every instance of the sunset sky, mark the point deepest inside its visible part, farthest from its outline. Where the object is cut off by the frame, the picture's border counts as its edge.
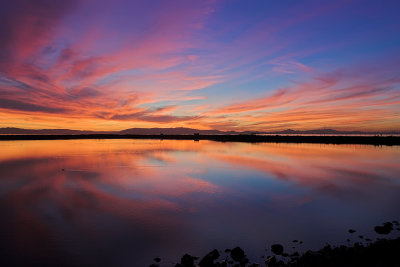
(226, 65)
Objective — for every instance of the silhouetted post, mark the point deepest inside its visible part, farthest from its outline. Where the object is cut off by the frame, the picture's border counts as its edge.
(196, 136)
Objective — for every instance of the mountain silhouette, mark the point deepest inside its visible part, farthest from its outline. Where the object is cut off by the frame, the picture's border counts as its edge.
(179, 131)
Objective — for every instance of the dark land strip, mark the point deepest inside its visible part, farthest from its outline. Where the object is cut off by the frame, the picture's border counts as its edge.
(364, 140)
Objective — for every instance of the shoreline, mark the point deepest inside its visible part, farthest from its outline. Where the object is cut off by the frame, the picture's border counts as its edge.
(323, 139)
(382, 252)
(365, 252)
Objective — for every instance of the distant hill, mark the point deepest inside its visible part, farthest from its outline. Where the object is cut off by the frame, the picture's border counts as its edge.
(329, 132)
(10, 130)
(319, 131)
(167, 131)
(178, 131)
(138, 131)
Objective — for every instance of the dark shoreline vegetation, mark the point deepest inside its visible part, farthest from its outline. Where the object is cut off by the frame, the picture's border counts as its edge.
(323, 139)
(380, 253)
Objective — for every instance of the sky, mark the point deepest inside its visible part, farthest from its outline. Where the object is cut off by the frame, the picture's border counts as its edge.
(225, 64)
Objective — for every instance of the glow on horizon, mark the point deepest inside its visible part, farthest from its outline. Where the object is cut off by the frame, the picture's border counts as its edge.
(226, 65)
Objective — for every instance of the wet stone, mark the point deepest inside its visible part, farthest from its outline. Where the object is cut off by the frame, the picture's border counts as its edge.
(385, 229)
(208, 260)
(277, 249)
(271, 261)
(237, 254)
(188, 260)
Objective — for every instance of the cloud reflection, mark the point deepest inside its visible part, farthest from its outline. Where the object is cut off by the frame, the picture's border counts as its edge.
(138, 198)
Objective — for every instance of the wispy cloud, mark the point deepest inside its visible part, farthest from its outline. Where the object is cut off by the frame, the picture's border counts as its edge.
(207, 64)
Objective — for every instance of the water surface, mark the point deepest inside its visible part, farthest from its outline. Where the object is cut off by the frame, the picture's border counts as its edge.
(124, 202)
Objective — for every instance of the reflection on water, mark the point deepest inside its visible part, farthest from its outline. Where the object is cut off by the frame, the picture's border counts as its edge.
(124, 202)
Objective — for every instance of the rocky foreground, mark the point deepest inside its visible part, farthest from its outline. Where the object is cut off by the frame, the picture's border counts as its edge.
(380, 253)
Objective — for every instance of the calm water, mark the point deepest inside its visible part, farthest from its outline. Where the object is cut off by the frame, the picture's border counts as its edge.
(124, 202)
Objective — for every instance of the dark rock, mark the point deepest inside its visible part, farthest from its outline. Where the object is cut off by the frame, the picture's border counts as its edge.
(154, 265)
(295, 241)
(360, 236)
(301, 242)
(352, 231)
(327, 249)
(157, 259)
(271, 261)
(383, 252)
(208, 260)
(367, 239)
(237, 254)
(188, 260)
(277, 249)
(385, 229)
